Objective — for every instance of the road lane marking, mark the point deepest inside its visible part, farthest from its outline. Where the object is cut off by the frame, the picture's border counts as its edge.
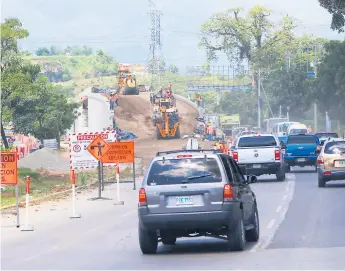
(40, 254)
(270, 225)
(280, 214)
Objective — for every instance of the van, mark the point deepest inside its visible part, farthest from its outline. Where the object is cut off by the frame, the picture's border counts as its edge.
(297, 129)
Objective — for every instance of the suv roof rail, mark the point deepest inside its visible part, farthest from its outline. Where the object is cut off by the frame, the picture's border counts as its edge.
(178, 151)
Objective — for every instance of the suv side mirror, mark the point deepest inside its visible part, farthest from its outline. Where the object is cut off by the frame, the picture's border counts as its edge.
(251, 179)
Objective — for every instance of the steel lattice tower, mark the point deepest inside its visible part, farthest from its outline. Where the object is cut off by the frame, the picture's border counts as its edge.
(155, 58)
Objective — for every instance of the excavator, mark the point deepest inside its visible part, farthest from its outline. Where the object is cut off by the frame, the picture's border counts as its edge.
(166, 119)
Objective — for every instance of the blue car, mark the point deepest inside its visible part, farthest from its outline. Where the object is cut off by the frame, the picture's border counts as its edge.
(301, 150)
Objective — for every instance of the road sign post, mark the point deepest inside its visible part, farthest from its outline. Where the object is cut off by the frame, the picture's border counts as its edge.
(98, 148)
(74, 200)
(27, 226)
(9, 176)
(119, 201)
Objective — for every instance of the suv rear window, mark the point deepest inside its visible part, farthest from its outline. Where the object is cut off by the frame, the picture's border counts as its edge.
(188, 170)
(302, 139)
(256, 141)
(337, 147)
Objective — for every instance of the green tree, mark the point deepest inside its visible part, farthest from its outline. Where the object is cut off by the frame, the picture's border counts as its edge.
(43, 112)
(43, 51)
(11, 32)
(173, 68)
(331, 80)
(337, 9)
(244, 37)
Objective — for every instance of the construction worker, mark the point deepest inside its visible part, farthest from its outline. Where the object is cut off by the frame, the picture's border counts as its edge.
(310, 130)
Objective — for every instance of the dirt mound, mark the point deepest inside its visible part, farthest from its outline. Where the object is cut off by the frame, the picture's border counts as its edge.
(134, 115)
(45, 158)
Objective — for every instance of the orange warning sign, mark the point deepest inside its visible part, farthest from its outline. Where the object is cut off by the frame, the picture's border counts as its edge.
(120, 152)
(9, 168)
(98, 147)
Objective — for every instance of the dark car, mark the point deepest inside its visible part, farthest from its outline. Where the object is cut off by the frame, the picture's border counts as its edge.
(323, 136)
(196, 193)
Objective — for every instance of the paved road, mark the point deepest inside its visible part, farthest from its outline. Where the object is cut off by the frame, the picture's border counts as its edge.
(301, 228)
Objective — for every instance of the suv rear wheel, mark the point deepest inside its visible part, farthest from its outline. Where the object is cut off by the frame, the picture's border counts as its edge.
(253, 235)
(237, 236)
(321, 181)
(280, 175)
(148, 241)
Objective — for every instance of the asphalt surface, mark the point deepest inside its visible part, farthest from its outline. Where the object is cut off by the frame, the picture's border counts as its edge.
(302, 227)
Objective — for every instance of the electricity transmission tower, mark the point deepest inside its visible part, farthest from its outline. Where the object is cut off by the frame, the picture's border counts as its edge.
(155, 58)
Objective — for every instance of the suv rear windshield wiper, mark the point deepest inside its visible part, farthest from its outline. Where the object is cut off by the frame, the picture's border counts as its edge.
(198, 177)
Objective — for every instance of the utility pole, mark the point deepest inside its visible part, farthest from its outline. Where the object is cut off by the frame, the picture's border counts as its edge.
(259, 102)
(280, 111)
(155, 58)
(315, 118)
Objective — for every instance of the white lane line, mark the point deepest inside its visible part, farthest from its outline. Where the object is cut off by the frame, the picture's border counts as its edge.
(40, 254)
(278, 208)
(270, 225)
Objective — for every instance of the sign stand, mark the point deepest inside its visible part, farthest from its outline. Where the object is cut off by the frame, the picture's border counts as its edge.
(27, 226)
(102, 167)
(134, 184)
(119, 202)
(74, 213)
(99, 184)
(98, 148)
(9, 176)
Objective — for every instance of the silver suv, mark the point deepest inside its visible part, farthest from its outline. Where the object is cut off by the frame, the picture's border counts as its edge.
(191, 193)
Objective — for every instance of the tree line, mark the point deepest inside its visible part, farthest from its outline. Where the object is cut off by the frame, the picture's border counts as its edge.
(70, 50)
(295, 71)
(34, 105)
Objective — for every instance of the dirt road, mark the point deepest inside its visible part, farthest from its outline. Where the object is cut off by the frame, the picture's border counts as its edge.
(134, 115)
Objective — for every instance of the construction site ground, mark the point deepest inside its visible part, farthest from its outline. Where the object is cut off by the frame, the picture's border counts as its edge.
(134, 114)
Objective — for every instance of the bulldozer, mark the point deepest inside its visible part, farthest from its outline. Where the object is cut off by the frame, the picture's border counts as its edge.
(166, 119)
(127, 84)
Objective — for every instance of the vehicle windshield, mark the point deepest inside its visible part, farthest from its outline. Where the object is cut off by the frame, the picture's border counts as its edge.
(188, 170)
(298, 131)
(256, 141)
(302, 139)
(337, 147)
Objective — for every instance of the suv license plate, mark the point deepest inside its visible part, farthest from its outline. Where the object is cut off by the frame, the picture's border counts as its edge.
(301, 160)
(256, 166)
(341, 163)
(184, 200)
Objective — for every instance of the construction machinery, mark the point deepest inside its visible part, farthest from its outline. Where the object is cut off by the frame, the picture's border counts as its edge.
(127, 83)
(165, 118)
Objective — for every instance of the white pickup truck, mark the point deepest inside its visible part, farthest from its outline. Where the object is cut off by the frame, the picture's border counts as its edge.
(259, 154)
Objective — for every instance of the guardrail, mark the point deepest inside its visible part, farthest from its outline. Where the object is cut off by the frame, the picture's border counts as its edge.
(186, 100)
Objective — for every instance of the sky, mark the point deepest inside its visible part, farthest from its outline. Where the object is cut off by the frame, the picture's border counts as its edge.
(122, 28)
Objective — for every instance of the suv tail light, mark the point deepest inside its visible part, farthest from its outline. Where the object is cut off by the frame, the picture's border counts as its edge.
(142, 197)
(228, 192)
(235, 156)
(320, 160)
(277, 154)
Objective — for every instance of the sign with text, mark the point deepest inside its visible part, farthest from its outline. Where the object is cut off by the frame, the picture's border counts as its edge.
(119, 152)
(80, 156)
(9, 168)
